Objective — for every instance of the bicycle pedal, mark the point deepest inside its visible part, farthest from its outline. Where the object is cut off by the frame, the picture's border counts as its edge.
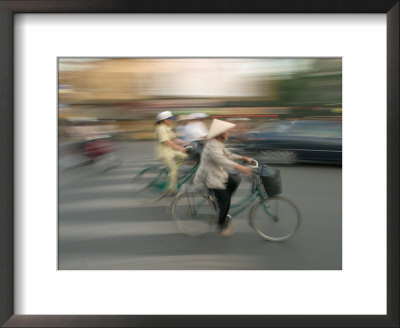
(167, 194)
(158, 199)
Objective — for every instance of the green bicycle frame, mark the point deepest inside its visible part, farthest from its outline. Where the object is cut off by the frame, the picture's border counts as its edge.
(188, 174)
(245, 203)
(160, 181)
(240, 206)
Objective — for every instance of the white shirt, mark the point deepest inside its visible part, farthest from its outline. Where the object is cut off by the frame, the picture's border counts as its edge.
(195, 131)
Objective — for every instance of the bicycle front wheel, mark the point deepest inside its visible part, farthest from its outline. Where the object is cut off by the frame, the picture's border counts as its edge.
(275, 219)
(150, 182)
(194, 213)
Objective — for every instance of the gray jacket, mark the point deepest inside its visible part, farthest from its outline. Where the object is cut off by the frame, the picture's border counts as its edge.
(216, 160)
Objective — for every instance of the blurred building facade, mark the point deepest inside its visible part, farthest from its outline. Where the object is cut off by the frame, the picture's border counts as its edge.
(132, 90)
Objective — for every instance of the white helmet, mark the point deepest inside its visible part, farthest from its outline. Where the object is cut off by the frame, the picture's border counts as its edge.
(164, 115)
(196, 116)
(201, 115)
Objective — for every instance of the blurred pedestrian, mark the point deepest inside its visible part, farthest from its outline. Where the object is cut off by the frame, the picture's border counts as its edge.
(213, 171)
(169, 149)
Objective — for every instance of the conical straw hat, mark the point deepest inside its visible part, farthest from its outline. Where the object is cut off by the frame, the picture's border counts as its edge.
(218, 127)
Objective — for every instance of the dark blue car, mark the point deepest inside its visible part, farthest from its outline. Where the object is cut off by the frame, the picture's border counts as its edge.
(288, 142)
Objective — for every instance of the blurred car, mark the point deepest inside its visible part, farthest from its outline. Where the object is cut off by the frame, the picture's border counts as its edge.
(288, 142)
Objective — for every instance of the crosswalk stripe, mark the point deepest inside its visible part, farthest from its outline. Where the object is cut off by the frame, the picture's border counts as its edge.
(112, 204)
(109, 229)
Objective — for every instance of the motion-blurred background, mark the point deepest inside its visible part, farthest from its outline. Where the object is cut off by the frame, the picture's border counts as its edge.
(129, 92)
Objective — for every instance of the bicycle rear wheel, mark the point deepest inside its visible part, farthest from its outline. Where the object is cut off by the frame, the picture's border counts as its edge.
(194, 213)
(150, 182)
(275, 219)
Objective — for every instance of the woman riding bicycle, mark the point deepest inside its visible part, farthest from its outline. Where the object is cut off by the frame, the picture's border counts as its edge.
(169, 149)
(213, 172)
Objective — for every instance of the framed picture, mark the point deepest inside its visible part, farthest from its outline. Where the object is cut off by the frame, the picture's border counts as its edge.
(79, 295)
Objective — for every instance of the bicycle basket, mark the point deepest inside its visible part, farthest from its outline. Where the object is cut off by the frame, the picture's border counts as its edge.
(271, 180)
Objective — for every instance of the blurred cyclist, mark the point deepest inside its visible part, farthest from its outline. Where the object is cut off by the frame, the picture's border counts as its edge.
(180, 130)
(213, 173)
(196, 129)
(169, 149)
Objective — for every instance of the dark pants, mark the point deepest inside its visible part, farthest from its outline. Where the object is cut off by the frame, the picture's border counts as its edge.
(196, 154)
(223, 197)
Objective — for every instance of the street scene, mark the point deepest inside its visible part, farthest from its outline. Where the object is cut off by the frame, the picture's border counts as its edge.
(103, 226)
(135, 134)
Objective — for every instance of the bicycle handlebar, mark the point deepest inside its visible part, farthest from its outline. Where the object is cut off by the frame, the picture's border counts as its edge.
(254, 166)
(191, 147)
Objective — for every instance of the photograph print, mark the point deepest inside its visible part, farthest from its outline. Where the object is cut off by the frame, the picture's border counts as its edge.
(225, 163)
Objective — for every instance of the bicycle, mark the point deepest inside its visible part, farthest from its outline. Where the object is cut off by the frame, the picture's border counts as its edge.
(273, 217)
(101, 153)
(153, 180)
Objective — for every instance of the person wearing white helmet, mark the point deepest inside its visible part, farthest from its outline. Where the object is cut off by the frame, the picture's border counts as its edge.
(169, 149)
(213, 173)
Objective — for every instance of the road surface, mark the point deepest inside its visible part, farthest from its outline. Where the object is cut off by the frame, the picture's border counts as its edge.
(102, 226)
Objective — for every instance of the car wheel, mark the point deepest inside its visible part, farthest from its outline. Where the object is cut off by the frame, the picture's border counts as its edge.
(278, 156)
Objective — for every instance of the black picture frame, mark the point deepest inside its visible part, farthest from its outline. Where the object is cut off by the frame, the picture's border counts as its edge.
(10, 7)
